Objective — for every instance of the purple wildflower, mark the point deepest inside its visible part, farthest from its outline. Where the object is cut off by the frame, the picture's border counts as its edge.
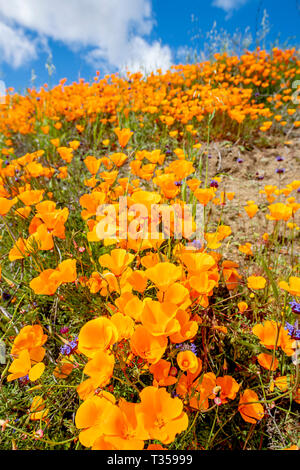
(24, 380)
(214, 184)
(293, 330)
(197, 244)
(295, 307)
(68, 349)
(187, 347)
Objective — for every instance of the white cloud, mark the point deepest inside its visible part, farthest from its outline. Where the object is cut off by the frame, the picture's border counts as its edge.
(112, 30)
(146, 57)
(229, 5)
(15, 47)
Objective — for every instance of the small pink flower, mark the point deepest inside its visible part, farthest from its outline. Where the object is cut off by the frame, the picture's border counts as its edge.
(218, 401)
(38, 434)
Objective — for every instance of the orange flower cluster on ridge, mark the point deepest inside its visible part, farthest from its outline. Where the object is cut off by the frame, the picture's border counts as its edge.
(184, 93)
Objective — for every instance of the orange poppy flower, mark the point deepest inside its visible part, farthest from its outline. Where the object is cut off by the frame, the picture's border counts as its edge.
(147, 198)
(30, 338)
(251, 412)
(156, 447)
(117, 261)
(293, 287)
(74, 144)
(132, 432)
(181, 169)
(176, 294)
(31, 197)
(65, 271)
(92, 164)
(6, 205)
(187, 361)
(279, 211)
(97, 335)
(188, 327)
(271, 333)
(163, 416)
(159, 318)
(242, 306)
(266, 361)
(97, 416)
(44, 284)
(163, 275)
(202, 390)
(118, 158)
(65, 153)
(197, 262)
(100, 368)
(283, 382)
(20, 250)
(204, 195)
(138, 280)
(231, 275)
(37, 410)
(124, 325)
(148, 347)
(202, 283)
(246, 249)
(91, 202)
(64, 368)
(123, 136)
(186, 381)
(229, 388)
(256, 282)
(132, 306)
(251, 210)
(23, 212)
(161, 371)
(21, 366)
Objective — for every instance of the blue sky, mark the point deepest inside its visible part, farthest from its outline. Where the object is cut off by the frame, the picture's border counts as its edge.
(83, 36)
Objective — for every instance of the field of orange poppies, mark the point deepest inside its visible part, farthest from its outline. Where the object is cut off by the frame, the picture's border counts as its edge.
(123, 327)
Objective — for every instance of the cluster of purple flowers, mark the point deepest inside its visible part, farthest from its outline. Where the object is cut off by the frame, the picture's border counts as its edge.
(24, 380)
(214, 184)
(68, 349)
(187, 347)
(295, 307)
(280, 170)
(197, 244)
(293, 330)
